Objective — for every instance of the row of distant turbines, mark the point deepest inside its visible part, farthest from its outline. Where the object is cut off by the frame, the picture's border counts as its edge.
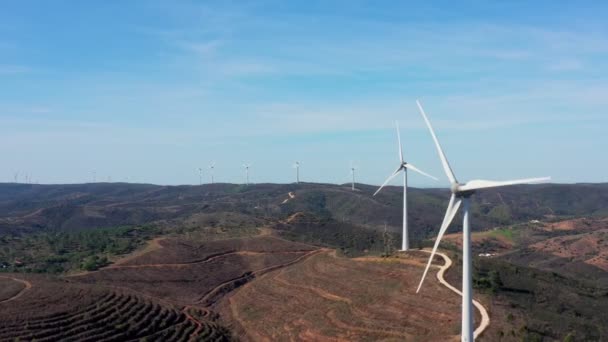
(461, 194)
(246, 167)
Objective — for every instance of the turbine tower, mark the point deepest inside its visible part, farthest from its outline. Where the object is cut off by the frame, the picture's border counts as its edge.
(403, 166)
(200, 176)
(296, 166)
(352, 173)
(461, 194)
(246, 166)
(212, 168)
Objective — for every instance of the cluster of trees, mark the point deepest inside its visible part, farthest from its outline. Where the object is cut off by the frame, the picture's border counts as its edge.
(57, 252)
(490, 281)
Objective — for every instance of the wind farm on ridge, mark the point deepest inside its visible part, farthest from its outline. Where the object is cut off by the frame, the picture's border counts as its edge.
(227, 171)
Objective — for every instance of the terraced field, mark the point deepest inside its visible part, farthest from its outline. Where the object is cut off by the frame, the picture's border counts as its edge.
(187, 274)
(259, 288)
(163, 294)
(53, 310)
(325, 298)
(179, 251)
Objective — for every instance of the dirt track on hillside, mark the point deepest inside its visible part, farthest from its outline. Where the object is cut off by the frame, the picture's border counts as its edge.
(329, 298)
(26, 283)
(485, 318)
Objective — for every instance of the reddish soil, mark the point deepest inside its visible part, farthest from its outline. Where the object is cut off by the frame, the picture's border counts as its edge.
(54, 310)
(178, 251)
(568, 225)
(186, 274)
(325, 298)
(12, 288)
(591, 247)
(492, 242)
(160, 293)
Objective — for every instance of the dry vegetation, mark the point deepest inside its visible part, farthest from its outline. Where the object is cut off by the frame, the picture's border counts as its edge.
(160, 294)
(10, 288)
(338, 299)
(195, 274)
(203, 268)
(54, 310)
(590, 248)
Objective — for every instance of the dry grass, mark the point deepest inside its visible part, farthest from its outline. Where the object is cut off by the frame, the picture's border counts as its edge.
(326, 298)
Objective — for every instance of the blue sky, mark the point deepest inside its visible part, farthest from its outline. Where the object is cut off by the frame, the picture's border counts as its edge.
(149, 91)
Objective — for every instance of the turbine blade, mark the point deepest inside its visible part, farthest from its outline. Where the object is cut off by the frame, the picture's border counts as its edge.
(447, 219)
(484, 184)
(388, 180)
(413, 168)
(399, 142)
(444, 160)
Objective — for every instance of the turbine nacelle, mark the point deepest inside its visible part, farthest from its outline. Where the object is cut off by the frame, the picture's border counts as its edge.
(403, 165)
(460, 196)
(459, 192)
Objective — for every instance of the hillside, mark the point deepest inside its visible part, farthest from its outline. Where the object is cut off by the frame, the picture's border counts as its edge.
(31, 208)
(201, 255)
(550, 275)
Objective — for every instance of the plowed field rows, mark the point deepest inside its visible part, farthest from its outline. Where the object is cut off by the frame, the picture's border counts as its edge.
(329, 298)
(58, 311)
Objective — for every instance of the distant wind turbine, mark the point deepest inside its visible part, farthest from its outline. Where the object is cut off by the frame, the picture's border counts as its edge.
(246, 166)
(461, 194)
(352, 172)
(212, 168)
(403, 167)
(296, 166)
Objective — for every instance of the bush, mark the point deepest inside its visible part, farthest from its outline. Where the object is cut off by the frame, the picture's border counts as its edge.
(94, 262)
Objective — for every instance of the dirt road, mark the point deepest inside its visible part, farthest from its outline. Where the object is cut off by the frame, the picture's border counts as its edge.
(27, 284)
(485, 318)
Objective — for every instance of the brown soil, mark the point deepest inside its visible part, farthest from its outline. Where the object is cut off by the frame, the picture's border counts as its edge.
(186, 274)
(495, 243)
(56, 310)
(12, 288)
(325, 298)
(591, 247)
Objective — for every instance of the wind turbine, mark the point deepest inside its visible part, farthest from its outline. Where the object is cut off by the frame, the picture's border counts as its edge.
(200, 176)
(246, 166)
(403, 166)
(296, 166)
(212, 167)
(352, 172)
(461, 194)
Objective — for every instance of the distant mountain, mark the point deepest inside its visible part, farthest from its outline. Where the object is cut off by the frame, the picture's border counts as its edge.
(31, 207)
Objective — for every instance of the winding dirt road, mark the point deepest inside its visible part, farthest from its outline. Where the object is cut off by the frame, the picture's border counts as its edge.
(27, 284)
(485, 318)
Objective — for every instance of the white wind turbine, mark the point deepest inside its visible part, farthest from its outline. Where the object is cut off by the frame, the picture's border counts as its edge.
(461, 193)
(403, 166)
(296, 166)
(352, 172)
(212, 168)
(246, 166)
